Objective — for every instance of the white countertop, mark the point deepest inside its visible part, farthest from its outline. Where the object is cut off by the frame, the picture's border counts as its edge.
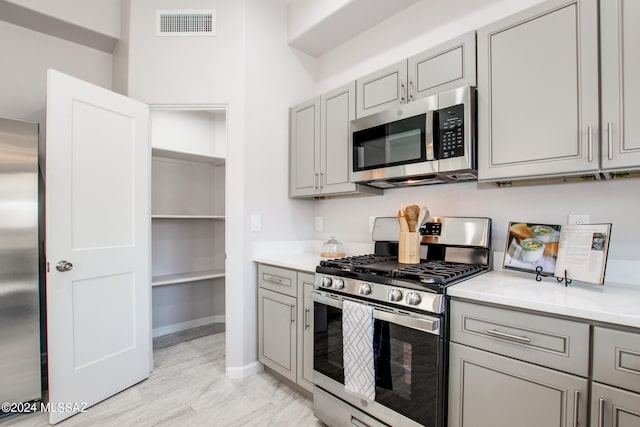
(302, 255)
(614, 302)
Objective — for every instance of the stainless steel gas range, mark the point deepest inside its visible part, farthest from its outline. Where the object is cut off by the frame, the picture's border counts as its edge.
(405, 339)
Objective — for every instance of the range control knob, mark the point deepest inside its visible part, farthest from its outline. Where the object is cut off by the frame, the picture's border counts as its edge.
(365, 289)
(413, 298)
(395, 295)
(338, 284)
(326, 282)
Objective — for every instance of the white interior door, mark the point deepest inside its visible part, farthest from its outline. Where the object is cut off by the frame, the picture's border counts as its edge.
(98, 221)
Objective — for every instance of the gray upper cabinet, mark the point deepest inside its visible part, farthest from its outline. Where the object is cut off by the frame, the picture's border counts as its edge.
(538, 92)
(382, 89)
(620, 68)
(338, 108)
(319, 157)
(446, 66)
(304, 146)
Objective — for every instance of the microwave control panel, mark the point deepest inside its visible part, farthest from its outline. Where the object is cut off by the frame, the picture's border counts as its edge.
(451, 132)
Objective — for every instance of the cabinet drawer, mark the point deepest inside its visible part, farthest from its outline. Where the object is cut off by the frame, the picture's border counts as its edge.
(616, 358)
(556, 343)
(277, 279)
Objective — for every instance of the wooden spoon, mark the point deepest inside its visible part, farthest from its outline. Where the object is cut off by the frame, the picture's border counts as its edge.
(411, 213)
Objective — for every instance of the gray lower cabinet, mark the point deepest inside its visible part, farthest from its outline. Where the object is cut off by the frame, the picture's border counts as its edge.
(486, 389)
(508, 368)
(620, 66)
(446, 66)
(615, 392)
(285, 323)
(277, 332)
(305, 331)
(614, 407)
(538, 108)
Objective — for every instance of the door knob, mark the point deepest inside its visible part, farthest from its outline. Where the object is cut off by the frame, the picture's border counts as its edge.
(64, 266)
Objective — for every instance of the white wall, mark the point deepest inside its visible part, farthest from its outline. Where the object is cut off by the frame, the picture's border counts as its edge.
(26, 57)
(249, 68)
(401, 36)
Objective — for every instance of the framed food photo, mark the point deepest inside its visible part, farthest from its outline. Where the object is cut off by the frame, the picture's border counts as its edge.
(532, 245)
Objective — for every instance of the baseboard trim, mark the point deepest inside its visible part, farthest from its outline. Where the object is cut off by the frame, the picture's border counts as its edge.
(183, 326)
(244, 371)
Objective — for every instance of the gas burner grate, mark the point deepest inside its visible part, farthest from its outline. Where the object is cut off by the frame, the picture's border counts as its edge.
(436, 272)
(349, 263)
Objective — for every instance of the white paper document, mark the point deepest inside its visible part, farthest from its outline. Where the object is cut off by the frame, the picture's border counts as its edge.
(582, 252)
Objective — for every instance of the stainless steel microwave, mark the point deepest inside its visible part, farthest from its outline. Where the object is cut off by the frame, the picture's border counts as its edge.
(428, 141)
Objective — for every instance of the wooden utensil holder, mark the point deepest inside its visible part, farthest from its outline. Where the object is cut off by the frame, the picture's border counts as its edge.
(409, 247)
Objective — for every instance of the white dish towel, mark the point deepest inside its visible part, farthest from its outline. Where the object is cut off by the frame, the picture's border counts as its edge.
(357, 344)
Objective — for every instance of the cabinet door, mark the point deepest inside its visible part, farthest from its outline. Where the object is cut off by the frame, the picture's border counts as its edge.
(538, 92)
(620, 67)
(304, 155)
(613, 407)
(382, 89)
(446, 66)
(490, 390)
(277, 332)
(338, 109)
(616, 358)
(305, 331)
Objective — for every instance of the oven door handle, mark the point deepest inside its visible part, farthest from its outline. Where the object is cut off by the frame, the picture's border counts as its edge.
(430, 325)
(337, 303)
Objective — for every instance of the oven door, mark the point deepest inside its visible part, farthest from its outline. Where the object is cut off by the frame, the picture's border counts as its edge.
(394, 144)
(409, 361)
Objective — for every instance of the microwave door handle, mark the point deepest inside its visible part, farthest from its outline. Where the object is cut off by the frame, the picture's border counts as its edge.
(429, 135)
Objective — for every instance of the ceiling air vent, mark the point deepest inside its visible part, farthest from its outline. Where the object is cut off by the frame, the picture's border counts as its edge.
(186, 23)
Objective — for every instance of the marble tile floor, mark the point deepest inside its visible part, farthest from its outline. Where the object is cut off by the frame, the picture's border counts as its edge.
(188, 387)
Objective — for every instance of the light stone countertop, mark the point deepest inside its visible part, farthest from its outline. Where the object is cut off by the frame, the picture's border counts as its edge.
(301, 255)
(616, 302)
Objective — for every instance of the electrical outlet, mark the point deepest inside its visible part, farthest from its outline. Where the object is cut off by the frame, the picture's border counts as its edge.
(578, 219)
(372, 221)
(319, 223)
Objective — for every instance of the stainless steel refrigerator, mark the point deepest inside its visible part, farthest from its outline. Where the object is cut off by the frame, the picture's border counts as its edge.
(19, 288)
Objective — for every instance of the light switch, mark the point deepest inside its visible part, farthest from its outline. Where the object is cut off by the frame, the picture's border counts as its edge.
(319, 223)
(255, 222)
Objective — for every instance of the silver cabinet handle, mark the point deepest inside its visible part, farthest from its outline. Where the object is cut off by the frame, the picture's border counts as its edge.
(306, 318)
(293, 314)
(356, 422)
(403, 91)
(610, 140)
(273, 279)
(601, 412)
(507, 336)
(315, 180)
(411, 90)
(320, 176)
(576, 412)
(64, 266)
(589, 145)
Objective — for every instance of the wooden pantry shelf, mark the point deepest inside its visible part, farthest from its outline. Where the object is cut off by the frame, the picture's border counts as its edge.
(171, 279)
